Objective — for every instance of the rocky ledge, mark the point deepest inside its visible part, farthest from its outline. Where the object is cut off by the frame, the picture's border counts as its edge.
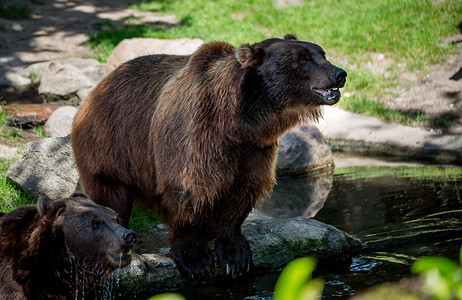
(274, 243)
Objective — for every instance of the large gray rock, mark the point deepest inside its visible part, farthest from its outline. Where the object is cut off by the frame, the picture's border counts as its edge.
(62, 80)
(59, 124)
(273, 242)
(298, 196)
(47, 168)
(91, 68)
(301, 150)
(135, 47)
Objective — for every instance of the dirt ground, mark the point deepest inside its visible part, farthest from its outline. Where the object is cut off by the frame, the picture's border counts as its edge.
(59, 28)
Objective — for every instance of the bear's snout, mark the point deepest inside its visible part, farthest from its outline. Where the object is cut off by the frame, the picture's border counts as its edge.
(339, 77)
(130, 238)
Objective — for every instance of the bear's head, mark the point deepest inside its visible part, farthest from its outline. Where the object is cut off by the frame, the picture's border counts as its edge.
(293, 72)
(92, 233)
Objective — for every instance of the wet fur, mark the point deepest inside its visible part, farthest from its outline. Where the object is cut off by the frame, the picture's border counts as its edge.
(36, 261)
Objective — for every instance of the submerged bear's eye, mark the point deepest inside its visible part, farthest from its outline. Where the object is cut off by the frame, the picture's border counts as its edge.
(95, 224)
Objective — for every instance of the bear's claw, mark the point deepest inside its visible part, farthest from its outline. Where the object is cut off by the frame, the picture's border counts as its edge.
(234, 255)
(195, 263)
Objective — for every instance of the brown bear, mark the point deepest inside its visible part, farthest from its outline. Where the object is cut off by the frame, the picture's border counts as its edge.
(57, 249)
(197, 137)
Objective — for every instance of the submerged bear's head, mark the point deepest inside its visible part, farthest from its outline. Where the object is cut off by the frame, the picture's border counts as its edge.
(294, 71)
(92, 233)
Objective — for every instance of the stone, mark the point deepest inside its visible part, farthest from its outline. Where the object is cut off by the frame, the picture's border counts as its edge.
(287, 3)
(91, 68)
(298, 196)
(63, 79)
(273, 243)
(10, 73)
(131, 48)
(301, 150)
(27, 116)
(46, 168)
(59, 124)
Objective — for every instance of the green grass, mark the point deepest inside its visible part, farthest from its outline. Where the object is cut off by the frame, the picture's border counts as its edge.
(14, 11)
(11, 196)
(142, 220)
(427, 172)
(409, 32)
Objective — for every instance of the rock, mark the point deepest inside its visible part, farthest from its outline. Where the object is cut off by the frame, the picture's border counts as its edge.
(298, 196)
(8, 78)
(10, 73)
(273, 242)
(301, 150)
(14, 141)
(47, 168)
(60, 80)
(135, 47)
(27, 116)
(59, 124)
(8, 152)
(287, 3)
(91, 68)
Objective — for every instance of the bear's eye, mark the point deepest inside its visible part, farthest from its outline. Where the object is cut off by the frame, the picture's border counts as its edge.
(95, 224)
(303, 59)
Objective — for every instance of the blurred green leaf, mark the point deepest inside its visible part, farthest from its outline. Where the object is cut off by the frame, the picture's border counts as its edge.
(444, 265)
(167, 296)
(294, 282)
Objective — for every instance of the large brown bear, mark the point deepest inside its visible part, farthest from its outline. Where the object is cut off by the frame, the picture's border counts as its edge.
(197, 136)
(56, 250)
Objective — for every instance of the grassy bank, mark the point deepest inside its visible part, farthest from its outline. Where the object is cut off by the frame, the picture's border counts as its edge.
(409, 34)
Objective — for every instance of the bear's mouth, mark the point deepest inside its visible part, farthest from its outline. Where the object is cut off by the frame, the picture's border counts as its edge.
(328, 96)
(122, 258)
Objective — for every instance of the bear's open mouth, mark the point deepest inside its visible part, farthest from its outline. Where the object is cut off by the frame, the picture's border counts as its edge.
(330, 96)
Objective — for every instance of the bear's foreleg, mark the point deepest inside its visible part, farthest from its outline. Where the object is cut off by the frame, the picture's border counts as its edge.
(232, 248)
(189, 234)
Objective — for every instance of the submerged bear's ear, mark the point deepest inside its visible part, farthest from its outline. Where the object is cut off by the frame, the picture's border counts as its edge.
(249, 56)
(44, 206)
(78, 195)
(290, 37)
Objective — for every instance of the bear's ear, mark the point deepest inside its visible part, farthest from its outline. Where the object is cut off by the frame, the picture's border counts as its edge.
(290, 37)
(44, 206)
(249, 56)
(78, 195)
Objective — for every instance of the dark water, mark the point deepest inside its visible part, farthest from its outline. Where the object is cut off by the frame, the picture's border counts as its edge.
(399, 213)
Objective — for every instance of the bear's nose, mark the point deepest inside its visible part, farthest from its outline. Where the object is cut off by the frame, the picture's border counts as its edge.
(339, 77)
(130, 238)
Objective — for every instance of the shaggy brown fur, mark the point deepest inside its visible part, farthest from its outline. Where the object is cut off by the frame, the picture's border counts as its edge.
(197, 137)
(56, 250)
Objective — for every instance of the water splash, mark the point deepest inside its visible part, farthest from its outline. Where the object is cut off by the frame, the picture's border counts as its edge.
(108, 284)
(81, 274)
